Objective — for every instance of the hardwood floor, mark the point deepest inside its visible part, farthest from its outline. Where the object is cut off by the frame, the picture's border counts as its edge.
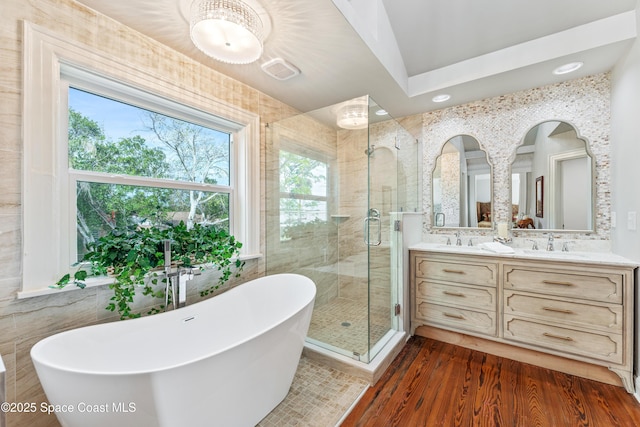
(432, 383)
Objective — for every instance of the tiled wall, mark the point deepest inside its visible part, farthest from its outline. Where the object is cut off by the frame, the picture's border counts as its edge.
(24, 322)
(500, 124)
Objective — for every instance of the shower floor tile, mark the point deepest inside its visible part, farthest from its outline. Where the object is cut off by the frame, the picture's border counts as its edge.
(343, 323)
(319, 397)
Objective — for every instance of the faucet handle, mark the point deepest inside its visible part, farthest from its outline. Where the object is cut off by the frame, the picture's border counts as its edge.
(534, 246)
(550, 243)
(448, 241)
(470, 242)
(565, 245)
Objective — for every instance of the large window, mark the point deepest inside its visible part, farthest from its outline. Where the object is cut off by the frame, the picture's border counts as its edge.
(111, 142)
(108, 142)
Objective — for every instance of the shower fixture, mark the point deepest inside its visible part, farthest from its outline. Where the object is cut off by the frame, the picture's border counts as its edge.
(369, 151)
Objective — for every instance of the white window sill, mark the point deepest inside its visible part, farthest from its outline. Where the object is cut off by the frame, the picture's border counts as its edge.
(94, 282)
(91, 283)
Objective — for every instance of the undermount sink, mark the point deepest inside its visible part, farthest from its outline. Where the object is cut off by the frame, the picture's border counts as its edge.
(459, 248)
(552, 254)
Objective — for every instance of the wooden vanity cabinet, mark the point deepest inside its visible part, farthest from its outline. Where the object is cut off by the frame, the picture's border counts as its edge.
(456, 293)
(574, 310)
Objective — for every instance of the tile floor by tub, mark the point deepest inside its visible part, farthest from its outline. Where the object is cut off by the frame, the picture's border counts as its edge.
(319, 397)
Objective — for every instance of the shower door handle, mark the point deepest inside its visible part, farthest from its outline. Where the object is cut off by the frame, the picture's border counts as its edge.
(372, 219)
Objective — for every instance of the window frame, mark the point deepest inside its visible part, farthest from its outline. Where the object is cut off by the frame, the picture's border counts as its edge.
(46, 194)
(313, 155)
(120, 92)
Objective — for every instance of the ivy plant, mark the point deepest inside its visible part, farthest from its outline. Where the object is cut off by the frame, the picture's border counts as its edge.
(134, 257)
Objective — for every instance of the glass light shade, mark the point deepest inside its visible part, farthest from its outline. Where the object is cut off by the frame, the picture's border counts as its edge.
(227, 30)
(353, 116)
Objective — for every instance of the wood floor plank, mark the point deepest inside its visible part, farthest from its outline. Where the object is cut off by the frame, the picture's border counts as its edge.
(433, 384)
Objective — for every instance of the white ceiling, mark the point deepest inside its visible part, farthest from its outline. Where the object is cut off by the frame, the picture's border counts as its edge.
(403, 52)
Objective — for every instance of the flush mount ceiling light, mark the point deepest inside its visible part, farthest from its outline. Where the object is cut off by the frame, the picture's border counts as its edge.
(567, 68)
(353, 115)
(230, 31)
(441, 98)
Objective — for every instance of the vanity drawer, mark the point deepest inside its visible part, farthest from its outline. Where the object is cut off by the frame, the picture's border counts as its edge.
(457, 318)
(605, 317)
(470, 273)
(601, 346)
(483, 298)
(570, 283)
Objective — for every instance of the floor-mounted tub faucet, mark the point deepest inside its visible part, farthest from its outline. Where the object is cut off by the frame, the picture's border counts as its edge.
(175, 281)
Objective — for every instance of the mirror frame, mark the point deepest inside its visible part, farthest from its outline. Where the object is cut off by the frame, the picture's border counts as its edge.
(491, 179)
(594, 193)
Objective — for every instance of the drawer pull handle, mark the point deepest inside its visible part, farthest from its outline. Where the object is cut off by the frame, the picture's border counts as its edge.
(553, 282)
(455, 316)
(446, 270)
(558, 310)
(558, 337)
(453, 294)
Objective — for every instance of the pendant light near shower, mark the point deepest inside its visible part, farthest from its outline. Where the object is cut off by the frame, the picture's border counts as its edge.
(353, 114)
(230, 31)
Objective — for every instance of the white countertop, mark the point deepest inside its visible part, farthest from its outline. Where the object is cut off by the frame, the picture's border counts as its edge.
(571, 256)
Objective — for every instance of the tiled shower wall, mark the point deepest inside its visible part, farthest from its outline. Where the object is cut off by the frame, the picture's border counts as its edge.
(500, 123)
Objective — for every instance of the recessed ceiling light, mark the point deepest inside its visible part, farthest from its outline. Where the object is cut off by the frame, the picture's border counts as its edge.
(381, 113)
(441, 98)
(567, 68)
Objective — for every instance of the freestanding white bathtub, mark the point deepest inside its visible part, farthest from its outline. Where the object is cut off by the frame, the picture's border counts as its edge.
(225, 361)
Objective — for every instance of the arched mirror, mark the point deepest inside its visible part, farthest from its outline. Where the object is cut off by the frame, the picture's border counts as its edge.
(461, 185)
(552, 180)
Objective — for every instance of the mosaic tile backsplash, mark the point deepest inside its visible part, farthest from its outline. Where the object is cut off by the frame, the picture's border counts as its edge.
(500, 124)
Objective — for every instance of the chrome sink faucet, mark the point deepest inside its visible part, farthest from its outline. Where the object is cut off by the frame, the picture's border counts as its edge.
(550, 243)
(458, 240)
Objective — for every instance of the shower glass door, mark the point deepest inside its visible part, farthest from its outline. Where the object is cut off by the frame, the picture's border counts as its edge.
(391, 188)
(332, 178)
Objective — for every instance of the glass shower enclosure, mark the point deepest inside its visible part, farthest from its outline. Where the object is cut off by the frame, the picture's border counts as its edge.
(335, 178)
